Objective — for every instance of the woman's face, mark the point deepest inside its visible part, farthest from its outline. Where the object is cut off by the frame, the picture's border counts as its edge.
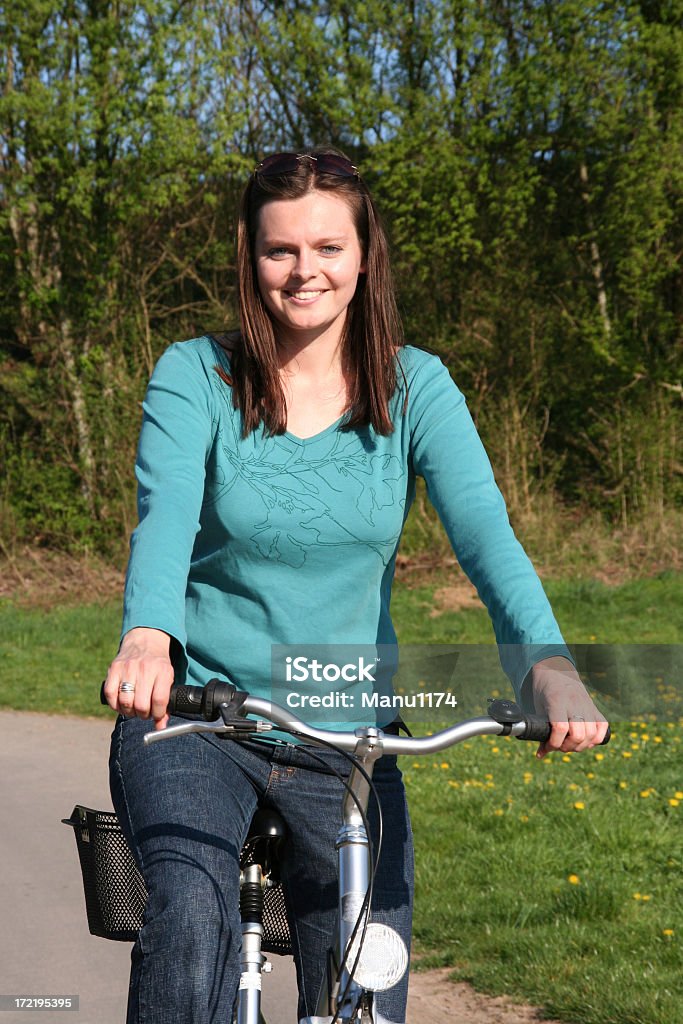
(308, 258)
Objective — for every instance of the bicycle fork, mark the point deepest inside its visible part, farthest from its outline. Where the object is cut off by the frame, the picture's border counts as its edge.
(252, 961)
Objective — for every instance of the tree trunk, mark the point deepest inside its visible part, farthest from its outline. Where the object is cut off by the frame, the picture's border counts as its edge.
(596, 261)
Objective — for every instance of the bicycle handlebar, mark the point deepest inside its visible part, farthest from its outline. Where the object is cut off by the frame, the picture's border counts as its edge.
(224, 709)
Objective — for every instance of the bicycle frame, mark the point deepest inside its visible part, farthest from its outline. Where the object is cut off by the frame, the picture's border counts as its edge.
(345, 999)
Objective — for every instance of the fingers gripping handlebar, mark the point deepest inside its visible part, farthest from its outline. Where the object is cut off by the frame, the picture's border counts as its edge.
(217, 699)
(538, 729)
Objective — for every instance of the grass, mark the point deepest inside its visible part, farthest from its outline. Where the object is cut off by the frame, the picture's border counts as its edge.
(55, 660)
(557, 882)
(637, 612)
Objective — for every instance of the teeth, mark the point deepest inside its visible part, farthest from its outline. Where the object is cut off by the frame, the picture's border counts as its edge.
(305, 295)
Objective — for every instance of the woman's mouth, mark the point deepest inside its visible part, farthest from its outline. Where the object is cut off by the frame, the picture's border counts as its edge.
(305, 296)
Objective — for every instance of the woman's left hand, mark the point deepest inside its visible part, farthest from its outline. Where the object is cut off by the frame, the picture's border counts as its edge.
(560, 695)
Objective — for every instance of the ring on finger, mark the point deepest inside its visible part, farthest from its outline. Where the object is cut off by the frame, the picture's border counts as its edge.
(126, 687)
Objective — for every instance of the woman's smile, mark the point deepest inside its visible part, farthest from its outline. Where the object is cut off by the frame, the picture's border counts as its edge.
(305, 296)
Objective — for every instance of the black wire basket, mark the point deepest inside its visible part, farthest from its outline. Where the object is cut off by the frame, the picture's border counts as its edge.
(115, 893)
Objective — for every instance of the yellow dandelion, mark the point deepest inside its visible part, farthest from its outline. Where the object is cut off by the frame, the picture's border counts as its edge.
(658, 739)
(579, 805)
(495, 750)
(574, 879)
(637, 896)
(524, 817)
(445, 764)
(678, 795)
(635, 746)
(623, 785)
(498, 811)
(645, 792)
(488, 775)
(590, 775)
(668, 932)
(566, 757)
(626, 753)
(599, 757)
(647, 897)
(673, 802)
(454, 784)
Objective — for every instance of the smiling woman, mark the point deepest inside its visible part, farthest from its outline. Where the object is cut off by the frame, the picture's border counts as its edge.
(316, 212)
(276, 470)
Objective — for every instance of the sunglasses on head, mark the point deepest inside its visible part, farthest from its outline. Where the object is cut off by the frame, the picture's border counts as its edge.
(324, 163)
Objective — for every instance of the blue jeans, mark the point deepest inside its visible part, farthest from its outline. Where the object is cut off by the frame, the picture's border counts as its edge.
(185, 806)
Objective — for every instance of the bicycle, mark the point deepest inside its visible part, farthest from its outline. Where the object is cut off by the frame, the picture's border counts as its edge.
(363, 957)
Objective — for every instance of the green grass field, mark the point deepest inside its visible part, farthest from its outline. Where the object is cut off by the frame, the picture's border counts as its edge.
(558, 882)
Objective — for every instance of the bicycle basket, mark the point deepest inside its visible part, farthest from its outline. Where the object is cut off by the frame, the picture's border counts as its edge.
(115, 893)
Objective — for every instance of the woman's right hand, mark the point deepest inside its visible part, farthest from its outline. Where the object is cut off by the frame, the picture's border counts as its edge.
(144, 662)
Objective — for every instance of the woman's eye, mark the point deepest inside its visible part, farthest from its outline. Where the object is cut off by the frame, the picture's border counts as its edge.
(330, 250)
(278, 252)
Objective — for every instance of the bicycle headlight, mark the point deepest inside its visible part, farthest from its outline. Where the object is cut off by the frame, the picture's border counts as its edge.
(383, 959)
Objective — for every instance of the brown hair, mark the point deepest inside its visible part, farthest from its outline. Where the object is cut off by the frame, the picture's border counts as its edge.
(373, 332)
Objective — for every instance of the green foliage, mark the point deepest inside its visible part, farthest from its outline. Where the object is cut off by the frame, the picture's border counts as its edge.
(527, 158)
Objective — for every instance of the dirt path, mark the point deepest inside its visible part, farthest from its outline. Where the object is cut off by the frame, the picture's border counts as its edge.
(434, 999)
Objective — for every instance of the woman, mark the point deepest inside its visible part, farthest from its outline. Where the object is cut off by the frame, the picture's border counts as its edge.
(275, 473)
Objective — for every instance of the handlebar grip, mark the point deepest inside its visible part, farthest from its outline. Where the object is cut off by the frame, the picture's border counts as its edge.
(538, 729)
(185, 700)
(201, 700)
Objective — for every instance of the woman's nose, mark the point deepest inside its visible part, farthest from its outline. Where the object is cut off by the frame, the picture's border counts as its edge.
(304, 266)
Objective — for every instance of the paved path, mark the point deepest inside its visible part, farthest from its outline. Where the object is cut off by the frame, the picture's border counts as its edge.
(48, 764)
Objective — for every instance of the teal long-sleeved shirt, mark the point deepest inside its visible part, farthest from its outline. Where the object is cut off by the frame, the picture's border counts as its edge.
(243, 543)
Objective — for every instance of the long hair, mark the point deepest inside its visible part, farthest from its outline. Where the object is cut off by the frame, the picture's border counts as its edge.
(372, 332)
